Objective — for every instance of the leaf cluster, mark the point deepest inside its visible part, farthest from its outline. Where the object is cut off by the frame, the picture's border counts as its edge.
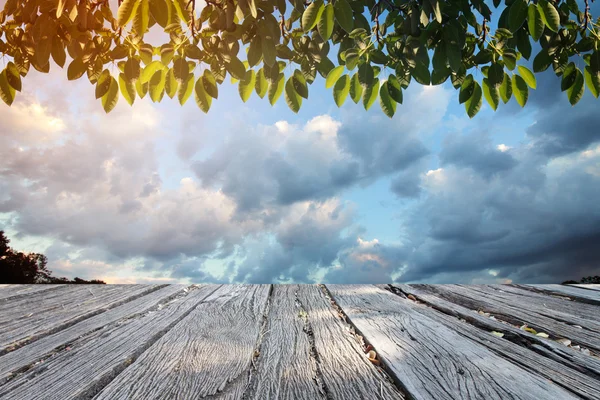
(365, 50)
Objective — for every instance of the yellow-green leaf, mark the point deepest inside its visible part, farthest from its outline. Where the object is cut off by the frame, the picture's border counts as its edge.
(356, 89)
(326, 22)
(103, 83)
(370, 94)
(261, 85)
(110, 98)
(185, 89)
(156, 85)
(293, 99)
(528, 76)
(592, 80)
(341, 90)
(505, 89)
(126, 11)
(150, 70)
(76, 69)
(58, 52)
(202, 98)
(535, 22)
(276, 88)
(550, 15)
(575, 92)
(127, 88)
(171, 84)
(491, 94)
(520, 90)
(311, 15)
(141, 20)
(7, 92)
(333, 76)
(13, 76)
(210, 84)
(246, 85)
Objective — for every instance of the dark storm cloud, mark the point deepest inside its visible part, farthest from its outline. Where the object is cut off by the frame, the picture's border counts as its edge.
(477, 152)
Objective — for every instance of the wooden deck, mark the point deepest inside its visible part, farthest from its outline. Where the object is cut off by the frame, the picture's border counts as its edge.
(430, 342)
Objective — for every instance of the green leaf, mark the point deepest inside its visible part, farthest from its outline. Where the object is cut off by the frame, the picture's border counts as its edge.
(341, 90)
(261, 85)
(517, 14)
(506, 89)
(370, 94)
(127, 88)
(275, 89)
(202, 98)
(568, 77)
(236, 68)
(300, 84)
(366, 74)
(421, 73)
(110, 98)
(311, 15)
(510, 60)
(126, 11)
(7, 92)
(356, 89)
(343, 15)
(150, 70)
(394, 88)
(592, 80)
(550, 15)
(528, 76)
(255, 51)
(185, 89)
(269, 51)
(473, 104)
(246, 85)
(141, 89)
(141, 19)
(103, 83)
(523, 44)
(520, 90)
(542, 61)
(491, 94)
(466, 89)
(326, 22)
(76, 69)
(575, 92)
(292, 99)
(535, 23)
(495, 75)
(13, 76)
(333, 76)
(210, 84)
(388, 105)
(454, 57)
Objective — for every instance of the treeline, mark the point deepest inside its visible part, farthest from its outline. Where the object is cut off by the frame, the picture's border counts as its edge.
(588, 280)
(24, 268)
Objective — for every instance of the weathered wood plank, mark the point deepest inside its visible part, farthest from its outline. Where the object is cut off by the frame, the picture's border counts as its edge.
(89, 363)
(324, 362)
(575, 293)
(581, 315)
(14, 291)
(589, 286)
(25, 356)
(23, 321)
(431, 360)
(518, 312)
(208, 354)
(520, 347)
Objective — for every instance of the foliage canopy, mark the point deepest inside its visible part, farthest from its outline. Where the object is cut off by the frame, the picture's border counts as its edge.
(364, 49)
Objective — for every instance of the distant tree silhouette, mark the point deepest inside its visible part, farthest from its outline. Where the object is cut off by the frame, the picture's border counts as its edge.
(21, 268)
(587, 280)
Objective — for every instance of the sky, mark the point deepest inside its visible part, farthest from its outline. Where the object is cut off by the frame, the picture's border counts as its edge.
(160, 193)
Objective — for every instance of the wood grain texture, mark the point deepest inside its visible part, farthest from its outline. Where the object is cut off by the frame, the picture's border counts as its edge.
(8, 292)
(206, 355)
(31, 353)
(92, 361)
(308, 353)
(431, 360)
(589, 286)
(575, 293)
(517, 346)
(25, 320)
(522, 310)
